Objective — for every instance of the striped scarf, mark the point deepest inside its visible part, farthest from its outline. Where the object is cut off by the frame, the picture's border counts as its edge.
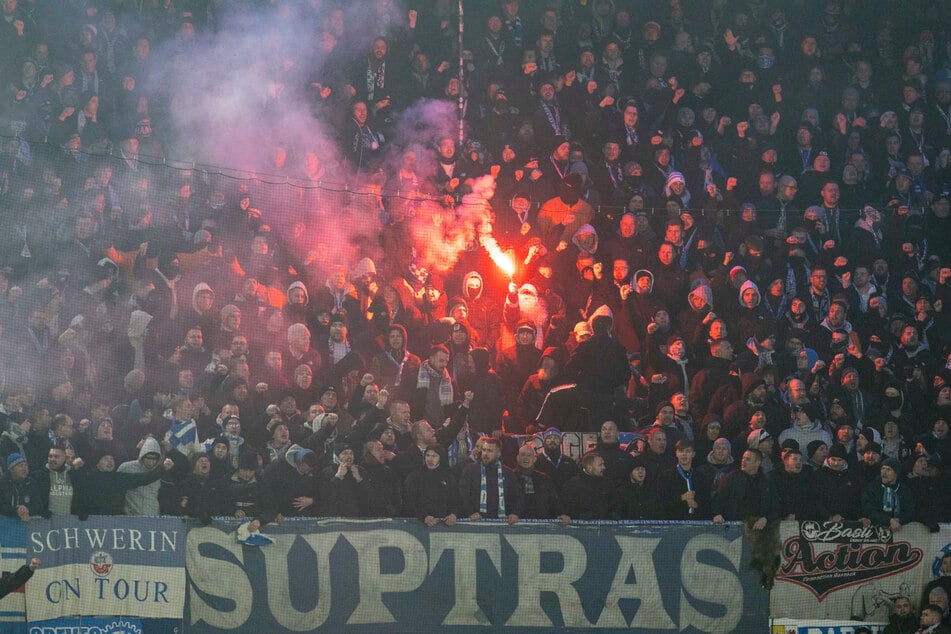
(427, 374)
(484, 490)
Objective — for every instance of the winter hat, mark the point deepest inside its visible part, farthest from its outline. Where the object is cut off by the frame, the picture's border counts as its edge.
(868, 433)
(873, 447)
(675, 177)
(838, 451)
(525, 325)
(552, 431)
(790, 444)
(755, 437)
(248, 460)
(724, 442)
(300, 454)
(583, 328)
(813, 447)
(554, 353)
(14, 459)
(893, 464)
(221, 440)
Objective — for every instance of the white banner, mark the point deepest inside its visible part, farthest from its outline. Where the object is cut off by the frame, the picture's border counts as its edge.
(844, 571)
(103, 567)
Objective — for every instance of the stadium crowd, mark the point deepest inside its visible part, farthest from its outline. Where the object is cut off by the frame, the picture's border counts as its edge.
(718, 228)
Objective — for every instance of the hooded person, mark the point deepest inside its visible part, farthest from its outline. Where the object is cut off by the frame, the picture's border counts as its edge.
(290, 486)
(640, 304)
(753, 320)
(296, 308)
(143, 500)
(560, 217)
(583, 245)
(369, 315)
(484, 312)
(100, 489)
(694, 318)
(395, 366)
(201, 313)
(867, 240)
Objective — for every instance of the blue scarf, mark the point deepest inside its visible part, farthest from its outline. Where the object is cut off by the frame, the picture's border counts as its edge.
(688, 478)
(890, 500)
(484, 490)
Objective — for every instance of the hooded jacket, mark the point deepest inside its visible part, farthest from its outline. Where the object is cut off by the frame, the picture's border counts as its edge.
(201, 287)
(485, 315)
(753, 321)
(301, 286)
(640, 306)
(142, 500)
(282, 481)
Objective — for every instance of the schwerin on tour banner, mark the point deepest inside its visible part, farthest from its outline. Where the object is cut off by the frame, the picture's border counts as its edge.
(832, 569)
(122, 566)
(399, 576)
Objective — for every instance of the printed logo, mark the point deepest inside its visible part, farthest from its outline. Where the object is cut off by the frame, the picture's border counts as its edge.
(835, 555)
(101, 563)
(122, 627)
(842, 533)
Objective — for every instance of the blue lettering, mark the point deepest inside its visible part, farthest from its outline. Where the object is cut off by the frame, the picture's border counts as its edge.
(121, 589)
(57, 591)
(160, 589)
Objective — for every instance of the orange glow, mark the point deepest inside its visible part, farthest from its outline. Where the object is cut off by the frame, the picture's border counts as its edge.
(502, 260)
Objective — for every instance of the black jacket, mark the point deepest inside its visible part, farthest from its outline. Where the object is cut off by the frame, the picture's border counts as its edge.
(430, 492)
(741, 496)
(540, 496)
(587, 497)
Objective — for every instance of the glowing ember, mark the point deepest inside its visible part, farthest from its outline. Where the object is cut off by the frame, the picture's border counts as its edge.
(502, 260)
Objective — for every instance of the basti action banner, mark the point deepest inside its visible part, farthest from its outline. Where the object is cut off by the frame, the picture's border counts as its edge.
(836, 570)
(400, 576)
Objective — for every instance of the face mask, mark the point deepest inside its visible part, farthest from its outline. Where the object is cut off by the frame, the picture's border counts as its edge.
(765, 61)
(892, 402)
